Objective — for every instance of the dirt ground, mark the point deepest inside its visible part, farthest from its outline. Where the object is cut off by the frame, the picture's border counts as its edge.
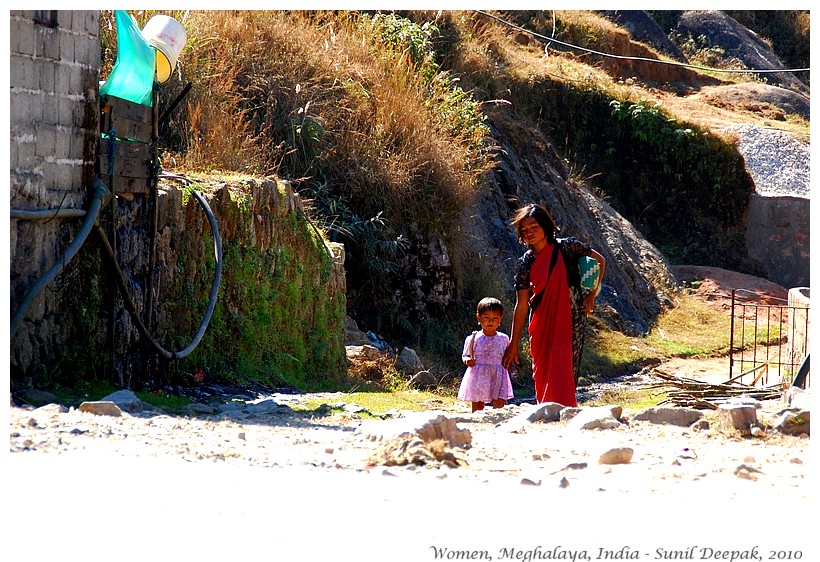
(262, 479)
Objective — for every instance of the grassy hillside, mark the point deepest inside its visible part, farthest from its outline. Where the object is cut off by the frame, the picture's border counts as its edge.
(382, 122)
(354, 109)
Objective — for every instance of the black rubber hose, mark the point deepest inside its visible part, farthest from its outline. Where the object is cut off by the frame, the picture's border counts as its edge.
(99, 193)
(172, 107)
(217, 276)
(802, 374)
(47, 214)
(129, 304)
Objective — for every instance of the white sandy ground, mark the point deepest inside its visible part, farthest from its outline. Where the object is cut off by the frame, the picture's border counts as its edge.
(172, 488)
(85, 507)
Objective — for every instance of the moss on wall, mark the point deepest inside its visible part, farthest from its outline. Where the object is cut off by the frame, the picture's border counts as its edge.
(280, 312)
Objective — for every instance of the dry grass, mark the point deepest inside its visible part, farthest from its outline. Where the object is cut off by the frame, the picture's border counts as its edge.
(375, 370)
(317, 97)
(308, 95)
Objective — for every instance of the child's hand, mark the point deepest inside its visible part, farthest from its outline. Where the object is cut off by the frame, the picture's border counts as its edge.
(510, 359)
(469, 362)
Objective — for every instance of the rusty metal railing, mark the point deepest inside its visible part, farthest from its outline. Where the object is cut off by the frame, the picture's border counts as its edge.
(762, 348)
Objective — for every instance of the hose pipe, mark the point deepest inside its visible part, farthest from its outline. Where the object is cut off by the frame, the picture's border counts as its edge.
(129, 303)
(99, 193)
(217, 277)
(47, 214)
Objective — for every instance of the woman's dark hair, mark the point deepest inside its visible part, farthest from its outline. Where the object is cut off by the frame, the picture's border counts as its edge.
(490, 304)
(541, 216)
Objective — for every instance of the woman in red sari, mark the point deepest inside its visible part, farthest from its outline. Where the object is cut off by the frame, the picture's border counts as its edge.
(547, 285)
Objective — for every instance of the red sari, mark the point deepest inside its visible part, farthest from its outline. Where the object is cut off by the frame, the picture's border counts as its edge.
(550, 330)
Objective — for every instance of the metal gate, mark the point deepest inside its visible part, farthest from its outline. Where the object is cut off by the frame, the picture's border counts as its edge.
(768, 343)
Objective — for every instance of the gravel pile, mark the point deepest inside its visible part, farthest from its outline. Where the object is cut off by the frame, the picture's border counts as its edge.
(778, 163)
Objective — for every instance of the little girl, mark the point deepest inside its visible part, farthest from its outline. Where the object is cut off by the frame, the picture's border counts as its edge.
(486, 380)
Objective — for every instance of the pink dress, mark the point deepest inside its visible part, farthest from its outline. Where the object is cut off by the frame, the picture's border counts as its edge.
(488, 380)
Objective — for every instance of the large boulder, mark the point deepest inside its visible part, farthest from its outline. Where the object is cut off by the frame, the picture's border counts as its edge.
(721, 30)
(408, 362)
(638, 279)
(125, 400)
(777, 102)
(353, 335)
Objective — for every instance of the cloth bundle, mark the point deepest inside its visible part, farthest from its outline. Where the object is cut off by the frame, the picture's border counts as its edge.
(590, 271)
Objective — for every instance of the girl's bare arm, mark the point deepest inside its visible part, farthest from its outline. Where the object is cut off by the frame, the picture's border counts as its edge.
(522, 307)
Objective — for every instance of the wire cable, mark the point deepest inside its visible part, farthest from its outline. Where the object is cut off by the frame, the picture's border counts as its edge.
(549, 40)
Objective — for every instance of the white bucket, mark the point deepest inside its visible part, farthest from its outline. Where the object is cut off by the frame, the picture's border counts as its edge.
(168, 37)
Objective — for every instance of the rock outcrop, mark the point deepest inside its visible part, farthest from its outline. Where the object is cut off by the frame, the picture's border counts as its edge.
(736, 40)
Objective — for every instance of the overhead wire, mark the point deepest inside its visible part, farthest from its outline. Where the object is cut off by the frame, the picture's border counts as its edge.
(625, 57)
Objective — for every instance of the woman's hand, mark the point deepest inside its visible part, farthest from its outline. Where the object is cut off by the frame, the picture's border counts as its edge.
(511, 357)
(588, 304)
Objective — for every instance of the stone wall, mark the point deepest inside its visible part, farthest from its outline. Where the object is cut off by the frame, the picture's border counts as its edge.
(778, 236)
(54, 74)
(281, 305)
(281, 302)
(279, 313)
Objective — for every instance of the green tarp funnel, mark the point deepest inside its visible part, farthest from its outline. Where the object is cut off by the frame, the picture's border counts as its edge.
(132, 77)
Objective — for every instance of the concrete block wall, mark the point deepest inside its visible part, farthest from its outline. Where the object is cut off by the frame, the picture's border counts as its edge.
(799, 327)
(54, 115)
